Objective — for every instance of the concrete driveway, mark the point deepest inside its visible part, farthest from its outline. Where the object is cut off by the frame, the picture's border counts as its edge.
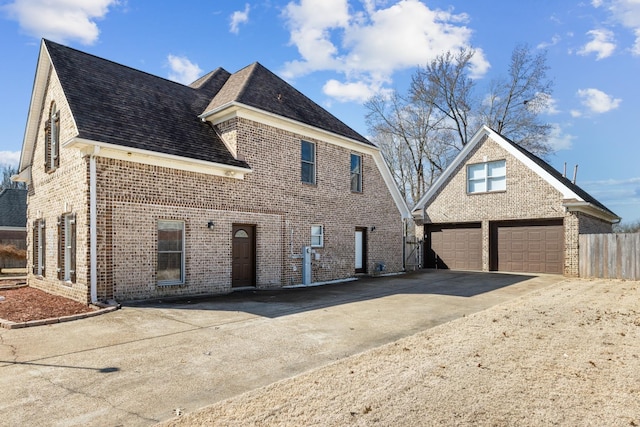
(138, 365)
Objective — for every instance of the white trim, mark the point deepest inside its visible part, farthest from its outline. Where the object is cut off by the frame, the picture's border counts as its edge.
(7, 228)
(495, 137)
(136, 155)
(93, 228)
(235, 109)
(590, 209)
(239, 110)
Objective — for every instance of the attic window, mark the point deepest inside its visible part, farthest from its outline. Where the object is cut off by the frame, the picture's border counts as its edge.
(487, 177)
(52, 139)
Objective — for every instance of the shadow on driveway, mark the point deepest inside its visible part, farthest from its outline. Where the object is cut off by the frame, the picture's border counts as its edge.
(274, 303)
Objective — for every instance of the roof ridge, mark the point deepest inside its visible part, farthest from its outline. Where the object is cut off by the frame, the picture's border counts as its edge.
(48, 42)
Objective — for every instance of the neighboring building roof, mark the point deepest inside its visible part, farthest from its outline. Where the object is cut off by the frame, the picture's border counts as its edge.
(574, 196)
(13, 208)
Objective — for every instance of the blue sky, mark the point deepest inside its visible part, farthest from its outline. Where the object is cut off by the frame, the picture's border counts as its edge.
(340, 52)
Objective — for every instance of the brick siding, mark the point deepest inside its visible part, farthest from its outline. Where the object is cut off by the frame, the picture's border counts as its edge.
(132, 197)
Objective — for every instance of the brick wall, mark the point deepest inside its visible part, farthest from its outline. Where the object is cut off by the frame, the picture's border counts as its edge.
(132, 197)
(51, 194)
(527, 197)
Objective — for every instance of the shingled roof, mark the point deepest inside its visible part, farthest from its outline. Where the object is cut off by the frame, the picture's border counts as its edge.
(557, 175)
(257, 87)
(115, 104)
(13, 208)
(574, 195)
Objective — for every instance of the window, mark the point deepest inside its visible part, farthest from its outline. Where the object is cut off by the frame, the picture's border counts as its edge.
(170, 252)
(67, 247)
(38, 247)
(356, 173)
(317, 236)
(308, 162)
(486, 177)
(52, 139)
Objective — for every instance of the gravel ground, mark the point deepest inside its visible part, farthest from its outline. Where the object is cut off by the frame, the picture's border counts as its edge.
(565, 355)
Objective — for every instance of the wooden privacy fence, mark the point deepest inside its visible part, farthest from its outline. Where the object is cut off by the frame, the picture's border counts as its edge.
(610, 256)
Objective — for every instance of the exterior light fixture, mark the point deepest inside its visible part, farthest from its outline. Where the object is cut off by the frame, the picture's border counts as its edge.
(210, 225)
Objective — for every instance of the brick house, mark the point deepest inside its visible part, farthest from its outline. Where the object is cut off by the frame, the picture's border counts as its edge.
(498, 207)
(140, 187)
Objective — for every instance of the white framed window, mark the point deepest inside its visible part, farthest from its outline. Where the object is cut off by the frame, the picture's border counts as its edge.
(487, 177)
(170, 252)
(317, 236)
(356, 173)
(52, 139)
(308, 162)
(38, 243)
(67, 247)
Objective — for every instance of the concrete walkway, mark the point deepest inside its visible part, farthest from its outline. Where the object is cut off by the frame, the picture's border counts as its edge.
(138, 365)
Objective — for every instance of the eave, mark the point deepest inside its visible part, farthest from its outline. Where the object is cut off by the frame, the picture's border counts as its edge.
(112, 151)
(590, 209)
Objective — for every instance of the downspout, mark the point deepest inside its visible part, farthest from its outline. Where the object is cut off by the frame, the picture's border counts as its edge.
(93, 222)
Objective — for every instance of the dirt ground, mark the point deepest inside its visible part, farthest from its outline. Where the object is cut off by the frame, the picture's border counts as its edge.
(566, 355)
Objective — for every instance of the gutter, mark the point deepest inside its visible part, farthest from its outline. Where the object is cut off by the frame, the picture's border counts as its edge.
(93, 222)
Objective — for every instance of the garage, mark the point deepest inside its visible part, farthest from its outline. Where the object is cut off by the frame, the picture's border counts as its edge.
(536, 247)
(452, 246)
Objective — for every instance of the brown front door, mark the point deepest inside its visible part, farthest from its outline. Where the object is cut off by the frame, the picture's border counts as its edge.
(243, 268)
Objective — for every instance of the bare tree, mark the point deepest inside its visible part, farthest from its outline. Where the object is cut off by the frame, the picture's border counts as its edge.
(446, 84)
(7, 172)
(627, 227)
(421, 133)
(407, 132)
(514, 102)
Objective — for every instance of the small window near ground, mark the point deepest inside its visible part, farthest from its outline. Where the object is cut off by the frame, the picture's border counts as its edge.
(170, 252)
(356, 173)
(487, 177)
(317, 236)
(308, 162)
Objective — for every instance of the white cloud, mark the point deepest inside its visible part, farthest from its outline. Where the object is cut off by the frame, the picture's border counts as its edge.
(554, 41)
(602, 44)
(626, 13)
(183, 70)
(9, 158)
(597, 101)
(558, 139)
(239, 17)
(60, 20)
(367, 46)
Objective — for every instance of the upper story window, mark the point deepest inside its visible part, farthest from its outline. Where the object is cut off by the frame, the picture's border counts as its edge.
(356, 173)
(308, 162)
(487, 176)
(170, 252)
(52, 139)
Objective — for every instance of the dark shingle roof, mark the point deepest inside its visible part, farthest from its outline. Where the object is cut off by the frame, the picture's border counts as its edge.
(13, 208)
(557, 175)
(119, 105)
(258, 87)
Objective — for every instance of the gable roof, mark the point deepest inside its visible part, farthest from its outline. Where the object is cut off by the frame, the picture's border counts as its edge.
(118, 105)
(575, 198)
(13, 208)
(256, 86)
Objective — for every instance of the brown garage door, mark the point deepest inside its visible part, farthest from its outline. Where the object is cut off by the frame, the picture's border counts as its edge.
(530, 248)
(457, 247)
